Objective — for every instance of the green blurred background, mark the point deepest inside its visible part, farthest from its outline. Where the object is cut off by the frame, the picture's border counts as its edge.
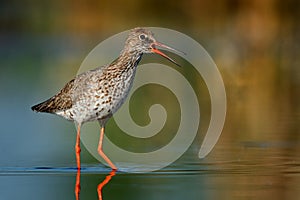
(255, 44)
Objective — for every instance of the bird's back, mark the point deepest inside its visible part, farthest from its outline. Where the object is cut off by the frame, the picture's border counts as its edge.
(64, 99)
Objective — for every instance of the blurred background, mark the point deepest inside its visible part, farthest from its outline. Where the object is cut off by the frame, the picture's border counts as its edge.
(254, 43)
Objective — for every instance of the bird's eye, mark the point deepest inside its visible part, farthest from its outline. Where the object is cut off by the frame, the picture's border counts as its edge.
(142, 36)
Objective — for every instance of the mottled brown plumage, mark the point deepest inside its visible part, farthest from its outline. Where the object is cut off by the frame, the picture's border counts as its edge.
(60, 101)
(97, 94)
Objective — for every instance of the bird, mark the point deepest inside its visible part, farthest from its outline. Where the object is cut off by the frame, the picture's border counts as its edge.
(95, 95)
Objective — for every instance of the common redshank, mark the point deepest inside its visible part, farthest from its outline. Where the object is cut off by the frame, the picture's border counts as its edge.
(97, 94)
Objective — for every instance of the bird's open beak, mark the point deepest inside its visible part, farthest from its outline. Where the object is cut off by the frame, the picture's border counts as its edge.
(155, 50)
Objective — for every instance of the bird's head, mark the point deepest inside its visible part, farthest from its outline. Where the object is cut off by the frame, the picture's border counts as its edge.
(142, 41)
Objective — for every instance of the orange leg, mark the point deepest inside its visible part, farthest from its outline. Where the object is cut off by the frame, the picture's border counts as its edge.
(77, 151)
(100, 151)
(104, 182)
(77, 147)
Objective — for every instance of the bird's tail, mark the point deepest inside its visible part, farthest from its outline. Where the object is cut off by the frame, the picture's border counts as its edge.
(44, 106)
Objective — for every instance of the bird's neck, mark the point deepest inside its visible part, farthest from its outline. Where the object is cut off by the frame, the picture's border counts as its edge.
(126, 61)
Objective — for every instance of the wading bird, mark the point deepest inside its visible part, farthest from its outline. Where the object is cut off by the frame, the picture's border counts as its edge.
(97, 94)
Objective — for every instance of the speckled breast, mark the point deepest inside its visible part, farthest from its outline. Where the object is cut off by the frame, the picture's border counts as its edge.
(102, 98)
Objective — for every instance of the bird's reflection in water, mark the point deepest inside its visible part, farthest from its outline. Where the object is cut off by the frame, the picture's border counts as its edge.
(77, 184)
(104, 182)
(100, 186)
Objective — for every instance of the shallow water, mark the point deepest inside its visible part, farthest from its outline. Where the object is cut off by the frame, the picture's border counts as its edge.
(257, 170)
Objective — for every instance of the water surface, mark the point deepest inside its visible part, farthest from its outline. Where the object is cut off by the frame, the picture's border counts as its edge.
(254, 170)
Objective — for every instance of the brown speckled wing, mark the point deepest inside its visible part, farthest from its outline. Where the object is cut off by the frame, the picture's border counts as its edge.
(60, 102)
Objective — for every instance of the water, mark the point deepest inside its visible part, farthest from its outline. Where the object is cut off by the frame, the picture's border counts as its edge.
(254, 170)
